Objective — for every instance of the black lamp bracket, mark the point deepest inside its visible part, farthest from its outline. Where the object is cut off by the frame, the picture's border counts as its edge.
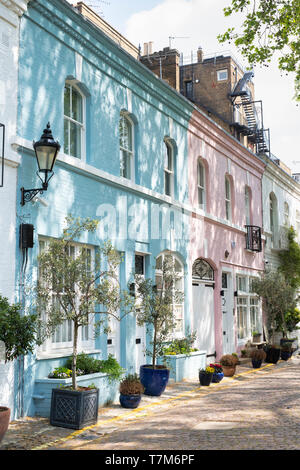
(28, 194)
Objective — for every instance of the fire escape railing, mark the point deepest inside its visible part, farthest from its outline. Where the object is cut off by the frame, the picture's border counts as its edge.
(253, 238)
(2, 139)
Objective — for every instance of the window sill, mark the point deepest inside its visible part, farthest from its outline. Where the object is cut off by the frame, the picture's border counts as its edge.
(63, 353)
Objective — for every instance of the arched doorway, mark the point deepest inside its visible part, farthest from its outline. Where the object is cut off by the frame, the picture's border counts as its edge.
(203, 305)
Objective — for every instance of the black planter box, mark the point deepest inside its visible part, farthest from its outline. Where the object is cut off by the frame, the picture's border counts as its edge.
(74, 409)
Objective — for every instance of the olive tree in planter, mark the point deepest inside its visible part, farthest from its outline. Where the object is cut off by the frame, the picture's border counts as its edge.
(155, 308)
(278, 297)
(18, 333)
(74, 286)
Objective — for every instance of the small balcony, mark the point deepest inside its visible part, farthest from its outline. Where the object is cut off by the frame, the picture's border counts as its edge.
(253, 238)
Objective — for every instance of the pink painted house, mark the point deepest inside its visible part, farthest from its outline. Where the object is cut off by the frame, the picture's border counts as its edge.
(226, 248)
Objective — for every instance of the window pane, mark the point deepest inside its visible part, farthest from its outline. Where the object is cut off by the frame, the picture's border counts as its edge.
(169, 158)
(76, 106)
(227, 189)
(125, 132)
(125, 169)
(66, 137)
(67, 101)
(200, 175)
(167, 183)
(75, 140)
(200, 197)
(139, 264)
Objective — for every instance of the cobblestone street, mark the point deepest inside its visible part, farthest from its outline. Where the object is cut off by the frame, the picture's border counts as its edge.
(257, 409)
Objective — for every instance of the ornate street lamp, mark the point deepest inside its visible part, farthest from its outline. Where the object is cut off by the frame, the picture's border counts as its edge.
(46, 151)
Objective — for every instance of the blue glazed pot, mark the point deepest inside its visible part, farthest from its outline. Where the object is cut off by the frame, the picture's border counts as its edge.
(256, 363)
(154, 380)
(204, 378)
(130, 401)
(217, 377)
(285, 355)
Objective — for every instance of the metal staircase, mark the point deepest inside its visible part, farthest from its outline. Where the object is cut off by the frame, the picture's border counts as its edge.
(250, 120)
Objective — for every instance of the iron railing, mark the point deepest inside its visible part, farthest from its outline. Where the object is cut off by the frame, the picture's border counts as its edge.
(253, 238)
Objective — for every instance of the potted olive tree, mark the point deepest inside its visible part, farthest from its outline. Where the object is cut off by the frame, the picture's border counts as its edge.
(18, 333)
(74, 286)
(154, 307)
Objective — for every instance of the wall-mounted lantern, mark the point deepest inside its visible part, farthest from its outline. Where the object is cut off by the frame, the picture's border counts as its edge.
(46, 151)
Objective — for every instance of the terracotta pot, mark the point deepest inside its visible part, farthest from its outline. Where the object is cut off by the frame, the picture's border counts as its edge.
(228, 371)
(4, 420)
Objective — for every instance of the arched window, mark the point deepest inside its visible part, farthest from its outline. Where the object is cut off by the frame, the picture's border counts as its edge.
(178, 306)
(169, 169)
(74, 111)
(201, 185)
(202, 270)
(228, 208)
(286, 214)
(248, 205)
(273, 218)
(126, 147)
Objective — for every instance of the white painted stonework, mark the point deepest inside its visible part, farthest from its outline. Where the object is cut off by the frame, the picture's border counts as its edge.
(10, 12)
(287, 193)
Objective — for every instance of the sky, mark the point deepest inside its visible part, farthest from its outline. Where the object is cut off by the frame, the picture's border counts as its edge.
(194, 23)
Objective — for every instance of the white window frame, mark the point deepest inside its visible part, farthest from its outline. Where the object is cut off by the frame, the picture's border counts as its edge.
(52, 347)
(201, 185)
(286, 209)
(228, 199)
(222, 75)
(79, 125)
(169, 168)
(179, 318)
(248, 205)
(248, 306)
(273, 213)
(126, 151)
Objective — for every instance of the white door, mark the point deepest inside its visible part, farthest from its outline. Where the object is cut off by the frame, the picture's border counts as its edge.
(227, 314)
(140, 345)
(203, 316)
(113, 339)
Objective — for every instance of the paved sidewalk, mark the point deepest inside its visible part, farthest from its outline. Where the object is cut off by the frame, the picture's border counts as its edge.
(37, 434)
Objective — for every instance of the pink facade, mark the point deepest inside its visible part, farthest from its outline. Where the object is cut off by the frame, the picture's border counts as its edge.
(222, 242)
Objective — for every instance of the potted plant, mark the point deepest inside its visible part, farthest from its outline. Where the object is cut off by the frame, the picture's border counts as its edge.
(272, 353)
(218, 372)
(131, 391)
(206, 375)
(286, 351)
(228, 363)
(154, 307)
(18, 333)
(80, 286)
(256, 336)
(257, 356)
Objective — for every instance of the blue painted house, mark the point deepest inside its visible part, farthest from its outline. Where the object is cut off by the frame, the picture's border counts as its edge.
(123, 161)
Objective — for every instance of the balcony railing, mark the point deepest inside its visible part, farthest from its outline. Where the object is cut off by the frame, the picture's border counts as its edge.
(253, 238)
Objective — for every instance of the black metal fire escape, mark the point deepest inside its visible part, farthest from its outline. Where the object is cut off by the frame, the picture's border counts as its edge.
(248, 116)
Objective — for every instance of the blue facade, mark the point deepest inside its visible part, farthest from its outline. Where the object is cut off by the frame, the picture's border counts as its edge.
(57, 46)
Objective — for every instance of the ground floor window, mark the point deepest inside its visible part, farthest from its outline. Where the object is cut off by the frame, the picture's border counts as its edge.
(248, 306)
(62, 336)
(178, 308)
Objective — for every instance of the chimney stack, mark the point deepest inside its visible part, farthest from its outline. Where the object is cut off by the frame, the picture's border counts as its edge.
(200, 55)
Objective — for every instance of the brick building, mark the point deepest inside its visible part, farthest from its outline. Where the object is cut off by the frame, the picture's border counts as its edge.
(219, 87)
